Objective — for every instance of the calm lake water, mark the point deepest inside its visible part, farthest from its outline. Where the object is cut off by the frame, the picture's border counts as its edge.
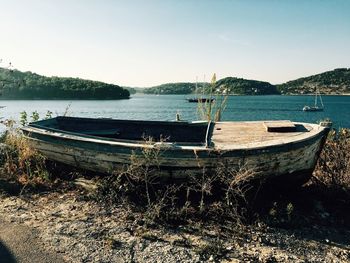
(164, 107)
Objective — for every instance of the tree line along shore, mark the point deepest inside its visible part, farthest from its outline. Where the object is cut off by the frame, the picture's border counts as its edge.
(334, 82)
(15, 84)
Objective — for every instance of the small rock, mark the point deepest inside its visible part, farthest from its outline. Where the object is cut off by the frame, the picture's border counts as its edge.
(229, 248)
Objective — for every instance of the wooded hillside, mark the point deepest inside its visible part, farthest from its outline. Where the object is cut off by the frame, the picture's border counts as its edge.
(239, 86)
(235, 86)
(15, 84)
(330, 82)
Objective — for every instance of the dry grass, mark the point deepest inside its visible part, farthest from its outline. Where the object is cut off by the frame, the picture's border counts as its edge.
(226, 195)
(324, 200)
(28, 170)
(333, 168)
(212, 110)
(206, 194)
(22, 161)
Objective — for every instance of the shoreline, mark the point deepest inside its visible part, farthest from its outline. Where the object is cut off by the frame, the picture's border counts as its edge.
(144, 94)
(199, 95)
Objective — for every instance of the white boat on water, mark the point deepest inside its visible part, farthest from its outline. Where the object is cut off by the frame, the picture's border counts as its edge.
(315, 107)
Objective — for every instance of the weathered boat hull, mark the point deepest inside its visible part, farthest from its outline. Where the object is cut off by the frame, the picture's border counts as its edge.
(291, 160)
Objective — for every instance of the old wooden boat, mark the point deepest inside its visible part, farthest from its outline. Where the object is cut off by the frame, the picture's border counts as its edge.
(274, 149)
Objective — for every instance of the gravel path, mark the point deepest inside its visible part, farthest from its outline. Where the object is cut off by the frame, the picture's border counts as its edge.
(82, 231)
(19, 243)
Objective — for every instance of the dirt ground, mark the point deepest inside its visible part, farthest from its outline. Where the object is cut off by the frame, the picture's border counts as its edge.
(64, 225)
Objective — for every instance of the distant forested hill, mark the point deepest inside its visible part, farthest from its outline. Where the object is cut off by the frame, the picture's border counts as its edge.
(15, 84)
(239, 86)
(235, 86)
(331, 82)
(130, 89)
(172, 88)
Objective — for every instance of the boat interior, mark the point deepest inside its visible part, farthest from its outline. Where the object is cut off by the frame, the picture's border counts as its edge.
(136, 130)
(223, 135)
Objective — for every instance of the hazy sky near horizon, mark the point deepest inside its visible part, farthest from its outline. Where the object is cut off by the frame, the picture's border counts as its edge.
(149, 42)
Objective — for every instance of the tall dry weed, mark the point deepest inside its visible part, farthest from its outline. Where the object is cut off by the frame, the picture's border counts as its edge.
(212, 110)
(21, 160)
(205, 194)
(333, 168)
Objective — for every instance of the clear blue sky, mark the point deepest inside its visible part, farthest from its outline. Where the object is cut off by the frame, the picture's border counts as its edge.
(145, 43)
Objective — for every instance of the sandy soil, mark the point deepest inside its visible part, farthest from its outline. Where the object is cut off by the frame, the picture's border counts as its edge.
(82, 231)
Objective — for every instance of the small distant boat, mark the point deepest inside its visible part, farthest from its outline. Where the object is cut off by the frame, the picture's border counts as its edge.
(273, 149)
(316, 107)
(201, 100)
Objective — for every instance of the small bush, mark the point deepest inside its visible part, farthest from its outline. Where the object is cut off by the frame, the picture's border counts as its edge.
(206, 194)
(21, 158)
(333, 168)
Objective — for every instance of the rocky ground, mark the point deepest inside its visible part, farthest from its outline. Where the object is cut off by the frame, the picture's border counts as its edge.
(81, 230)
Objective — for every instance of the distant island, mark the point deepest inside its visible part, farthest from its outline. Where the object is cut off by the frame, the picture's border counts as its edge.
(172, 88)
(239, 86)
(235, 86)
(335, 82)
(15, 84)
